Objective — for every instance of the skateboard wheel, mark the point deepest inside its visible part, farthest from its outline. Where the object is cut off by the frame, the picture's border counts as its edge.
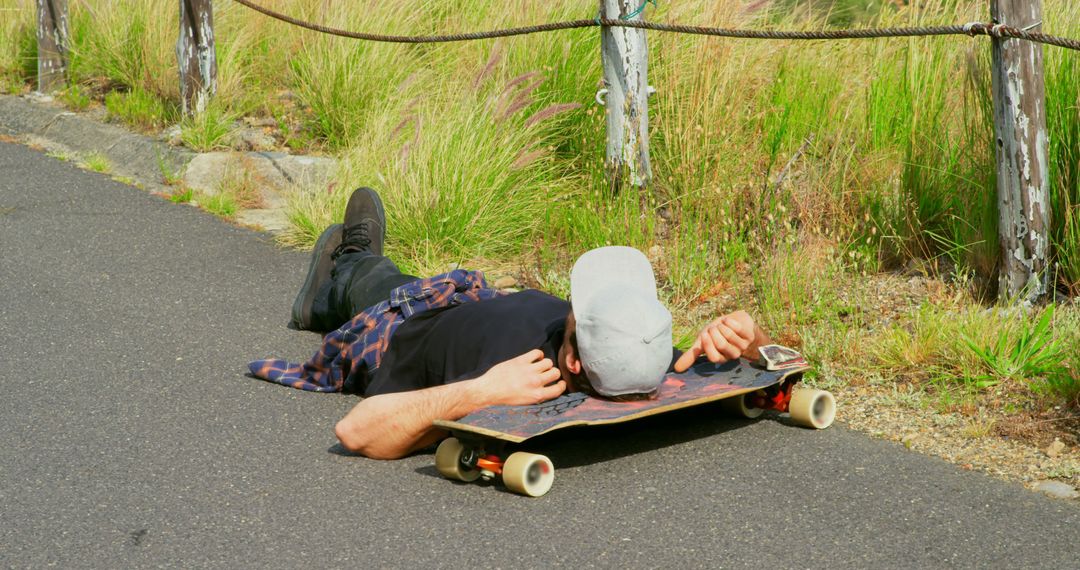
(448, 461)
(528, 474)
(740, 406)
(812, 408)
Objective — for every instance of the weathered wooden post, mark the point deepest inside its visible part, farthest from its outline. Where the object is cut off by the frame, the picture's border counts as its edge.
(52, 44)
(626, 81)
(1021, 144)
(196, 56)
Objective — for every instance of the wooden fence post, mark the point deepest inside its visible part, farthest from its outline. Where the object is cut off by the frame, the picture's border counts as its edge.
(626, 81)
(52, 44)
(196, 56)
(1021, 145)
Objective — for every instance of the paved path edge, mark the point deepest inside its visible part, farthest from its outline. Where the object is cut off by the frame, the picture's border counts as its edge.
(37, 120)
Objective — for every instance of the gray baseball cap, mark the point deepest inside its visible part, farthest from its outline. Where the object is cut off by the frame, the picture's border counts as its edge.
(623, 330)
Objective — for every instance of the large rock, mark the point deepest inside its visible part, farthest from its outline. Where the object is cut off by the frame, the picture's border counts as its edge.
(306, 170)
(208, 171)
(271, 220)
(272, 172)
(205, 172)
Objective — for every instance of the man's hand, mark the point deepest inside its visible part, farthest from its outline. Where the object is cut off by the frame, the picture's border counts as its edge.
(521, 381)
(724, 339)
(388, 426)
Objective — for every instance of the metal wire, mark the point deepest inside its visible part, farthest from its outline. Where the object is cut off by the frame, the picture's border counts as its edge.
(971, 29)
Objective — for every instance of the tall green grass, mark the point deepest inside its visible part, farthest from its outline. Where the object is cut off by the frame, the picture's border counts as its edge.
(18, 45)
(1063, 120)
(897, 129)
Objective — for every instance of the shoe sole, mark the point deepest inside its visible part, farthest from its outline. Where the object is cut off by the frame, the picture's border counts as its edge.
(320, 266)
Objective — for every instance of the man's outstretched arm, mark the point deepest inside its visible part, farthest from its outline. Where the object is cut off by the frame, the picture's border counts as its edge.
(390, 426)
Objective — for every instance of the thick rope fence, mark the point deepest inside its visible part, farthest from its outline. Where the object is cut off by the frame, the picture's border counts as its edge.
(970, 29)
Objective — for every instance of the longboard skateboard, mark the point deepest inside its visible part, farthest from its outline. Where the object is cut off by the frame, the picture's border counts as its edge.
(475, 449)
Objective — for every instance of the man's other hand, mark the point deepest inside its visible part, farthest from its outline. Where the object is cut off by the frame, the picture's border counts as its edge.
(724, 339)
(521, 381)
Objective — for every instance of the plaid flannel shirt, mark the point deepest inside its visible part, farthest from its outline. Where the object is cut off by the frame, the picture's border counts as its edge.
(361, 343)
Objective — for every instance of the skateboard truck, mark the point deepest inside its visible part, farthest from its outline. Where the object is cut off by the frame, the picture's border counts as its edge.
(525, 473)
(490, 466)
(779, 401)
(806, 406)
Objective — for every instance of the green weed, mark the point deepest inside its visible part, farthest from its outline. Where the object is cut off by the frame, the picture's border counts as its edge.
(795, 288)
(75, 98)
(207, 131)
(181, 196)
(1019, 352)
(222, 205)
(60, 155)
(907, 396)
(238, 189)
(240, 185)
(962, 349)
(140, 108)
(97, 162)
(170, 175)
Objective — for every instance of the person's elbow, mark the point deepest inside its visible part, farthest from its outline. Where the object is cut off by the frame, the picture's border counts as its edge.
(357, 440)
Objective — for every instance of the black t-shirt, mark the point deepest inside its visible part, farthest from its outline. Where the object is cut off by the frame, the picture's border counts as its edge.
(460, 342)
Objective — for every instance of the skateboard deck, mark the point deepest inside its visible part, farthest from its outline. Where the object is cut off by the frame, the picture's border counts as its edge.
(703, 383)
(476, 448)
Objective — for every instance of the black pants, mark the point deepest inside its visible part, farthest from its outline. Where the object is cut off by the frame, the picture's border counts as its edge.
(357, 281)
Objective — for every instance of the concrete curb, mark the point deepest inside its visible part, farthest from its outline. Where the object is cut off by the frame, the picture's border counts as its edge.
(146, 160)
(135, 156)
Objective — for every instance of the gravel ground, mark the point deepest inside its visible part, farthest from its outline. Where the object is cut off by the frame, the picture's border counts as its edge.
(1024, 446)
(1041, 453)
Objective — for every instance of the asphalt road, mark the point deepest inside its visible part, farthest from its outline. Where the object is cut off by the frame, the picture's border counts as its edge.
(130, 436)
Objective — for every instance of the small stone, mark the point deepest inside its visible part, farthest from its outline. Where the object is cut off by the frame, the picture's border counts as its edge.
(173, 134)
(307, 170)
(259, 122)
(39, 97)
(255, 139)
(504, 282)
(1055, 448)
(1057, 490)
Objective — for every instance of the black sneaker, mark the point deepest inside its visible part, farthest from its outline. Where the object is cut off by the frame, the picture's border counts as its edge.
(365, 224)
(318, 273)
